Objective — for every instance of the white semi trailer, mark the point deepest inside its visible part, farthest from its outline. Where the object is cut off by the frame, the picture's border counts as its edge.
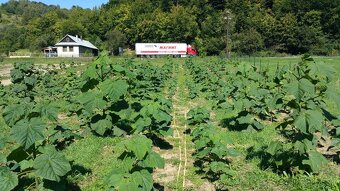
(159, 49)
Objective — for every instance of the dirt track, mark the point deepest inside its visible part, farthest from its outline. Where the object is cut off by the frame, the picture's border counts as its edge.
(5, 73)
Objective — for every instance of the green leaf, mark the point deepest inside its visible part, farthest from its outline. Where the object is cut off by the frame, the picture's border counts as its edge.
(300, 122)
(137, 181)
(8, 179)
(315, 120)
(114, 89)
(141, 124)
(13, 113)
(203, 153)
(315, 161)
(144, 179)
(51, 165)
(30, 81)
(321, 71)
(274, 147)
(3, 141)
(154, 160)
(333, 96)
(16, 75)
(139, 145)
(117, 131)
(258, 125)
(27, 132)
(245, 119)
(118, 68)
(299, 88)
(336, 142)
(127, 164)
(92, 100)
(101, 126)
(201, 143)
(219, 151)
(3, 158)
(47, 110)
(217, 167)
(166, 131)
(26, 164)
(162, 116)
(309, 121)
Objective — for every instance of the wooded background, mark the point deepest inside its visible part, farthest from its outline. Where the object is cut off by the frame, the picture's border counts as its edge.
(258, 27)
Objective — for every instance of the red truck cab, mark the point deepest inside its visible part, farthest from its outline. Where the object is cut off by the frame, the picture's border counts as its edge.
(191, 51)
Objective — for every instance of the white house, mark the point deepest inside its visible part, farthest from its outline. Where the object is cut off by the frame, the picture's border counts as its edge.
(73, 46)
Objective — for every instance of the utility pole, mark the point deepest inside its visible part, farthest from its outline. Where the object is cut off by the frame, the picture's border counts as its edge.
(227, 17)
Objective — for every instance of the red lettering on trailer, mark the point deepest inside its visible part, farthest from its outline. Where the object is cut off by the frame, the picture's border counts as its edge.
(167, 47)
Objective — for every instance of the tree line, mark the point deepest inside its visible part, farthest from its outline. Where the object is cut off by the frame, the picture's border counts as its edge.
(214, 27)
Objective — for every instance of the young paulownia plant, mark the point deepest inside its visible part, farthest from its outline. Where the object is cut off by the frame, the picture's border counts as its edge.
(308, 86)
(137, 161)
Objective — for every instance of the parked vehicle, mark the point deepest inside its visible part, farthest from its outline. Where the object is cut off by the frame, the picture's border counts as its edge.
(164, 49)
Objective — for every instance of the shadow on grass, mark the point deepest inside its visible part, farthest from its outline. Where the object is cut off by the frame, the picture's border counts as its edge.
(158, 187)
(160, 142)
(77, 171)
(262, 155)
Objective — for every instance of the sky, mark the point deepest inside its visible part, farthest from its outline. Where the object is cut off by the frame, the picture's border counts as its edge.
(69, 3)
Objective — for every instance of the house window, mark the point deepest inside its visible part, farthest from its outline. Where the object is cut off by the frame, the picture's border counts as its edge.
(64, 48)
(71, 49)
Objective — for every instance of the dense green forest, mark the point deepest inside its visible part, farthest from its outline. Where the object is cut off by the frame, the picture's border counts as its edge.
(264, 27)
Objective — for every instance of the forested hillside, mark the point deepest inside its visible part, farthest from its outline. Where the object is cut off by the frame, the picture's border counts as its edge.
(253, 26)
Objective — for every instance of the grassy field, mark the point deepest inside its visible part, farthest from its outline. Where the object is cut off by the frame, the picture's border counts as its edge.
(46, 60)
(93, 157)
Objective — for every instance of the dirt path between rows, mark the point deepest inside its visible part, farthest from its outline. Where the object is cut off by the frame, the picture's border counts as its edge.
(178, 173)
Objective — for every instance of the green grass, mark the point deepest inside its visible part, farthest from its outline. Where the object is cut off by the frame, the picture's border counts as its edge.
(274, 61)
(92, 158)
(46, 60)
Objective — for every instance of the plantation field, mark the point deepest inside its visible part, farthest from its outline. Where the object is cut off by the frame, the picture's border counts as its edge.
(172, 124)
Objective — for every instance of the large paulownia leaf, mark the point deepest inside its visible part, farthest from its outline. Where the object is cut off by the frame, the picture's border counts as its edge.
(137, 181)
(321, 71)
(30, 81)
(309, 121)
(47, 110)
(3, 158)
(143, 178)
(220, 151)
(51, 164)
(101, 126)
(154, 160)
(139, 145)
(3, 141)
(166, 131)
(114, 89)
(333, 96)
(299, 88)
(91, 101)
(201, 143)
(14, 113)
(141, 124)
(274, 147)
(315, 161)
(16, 75)
(26, 133)
(8, 179)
